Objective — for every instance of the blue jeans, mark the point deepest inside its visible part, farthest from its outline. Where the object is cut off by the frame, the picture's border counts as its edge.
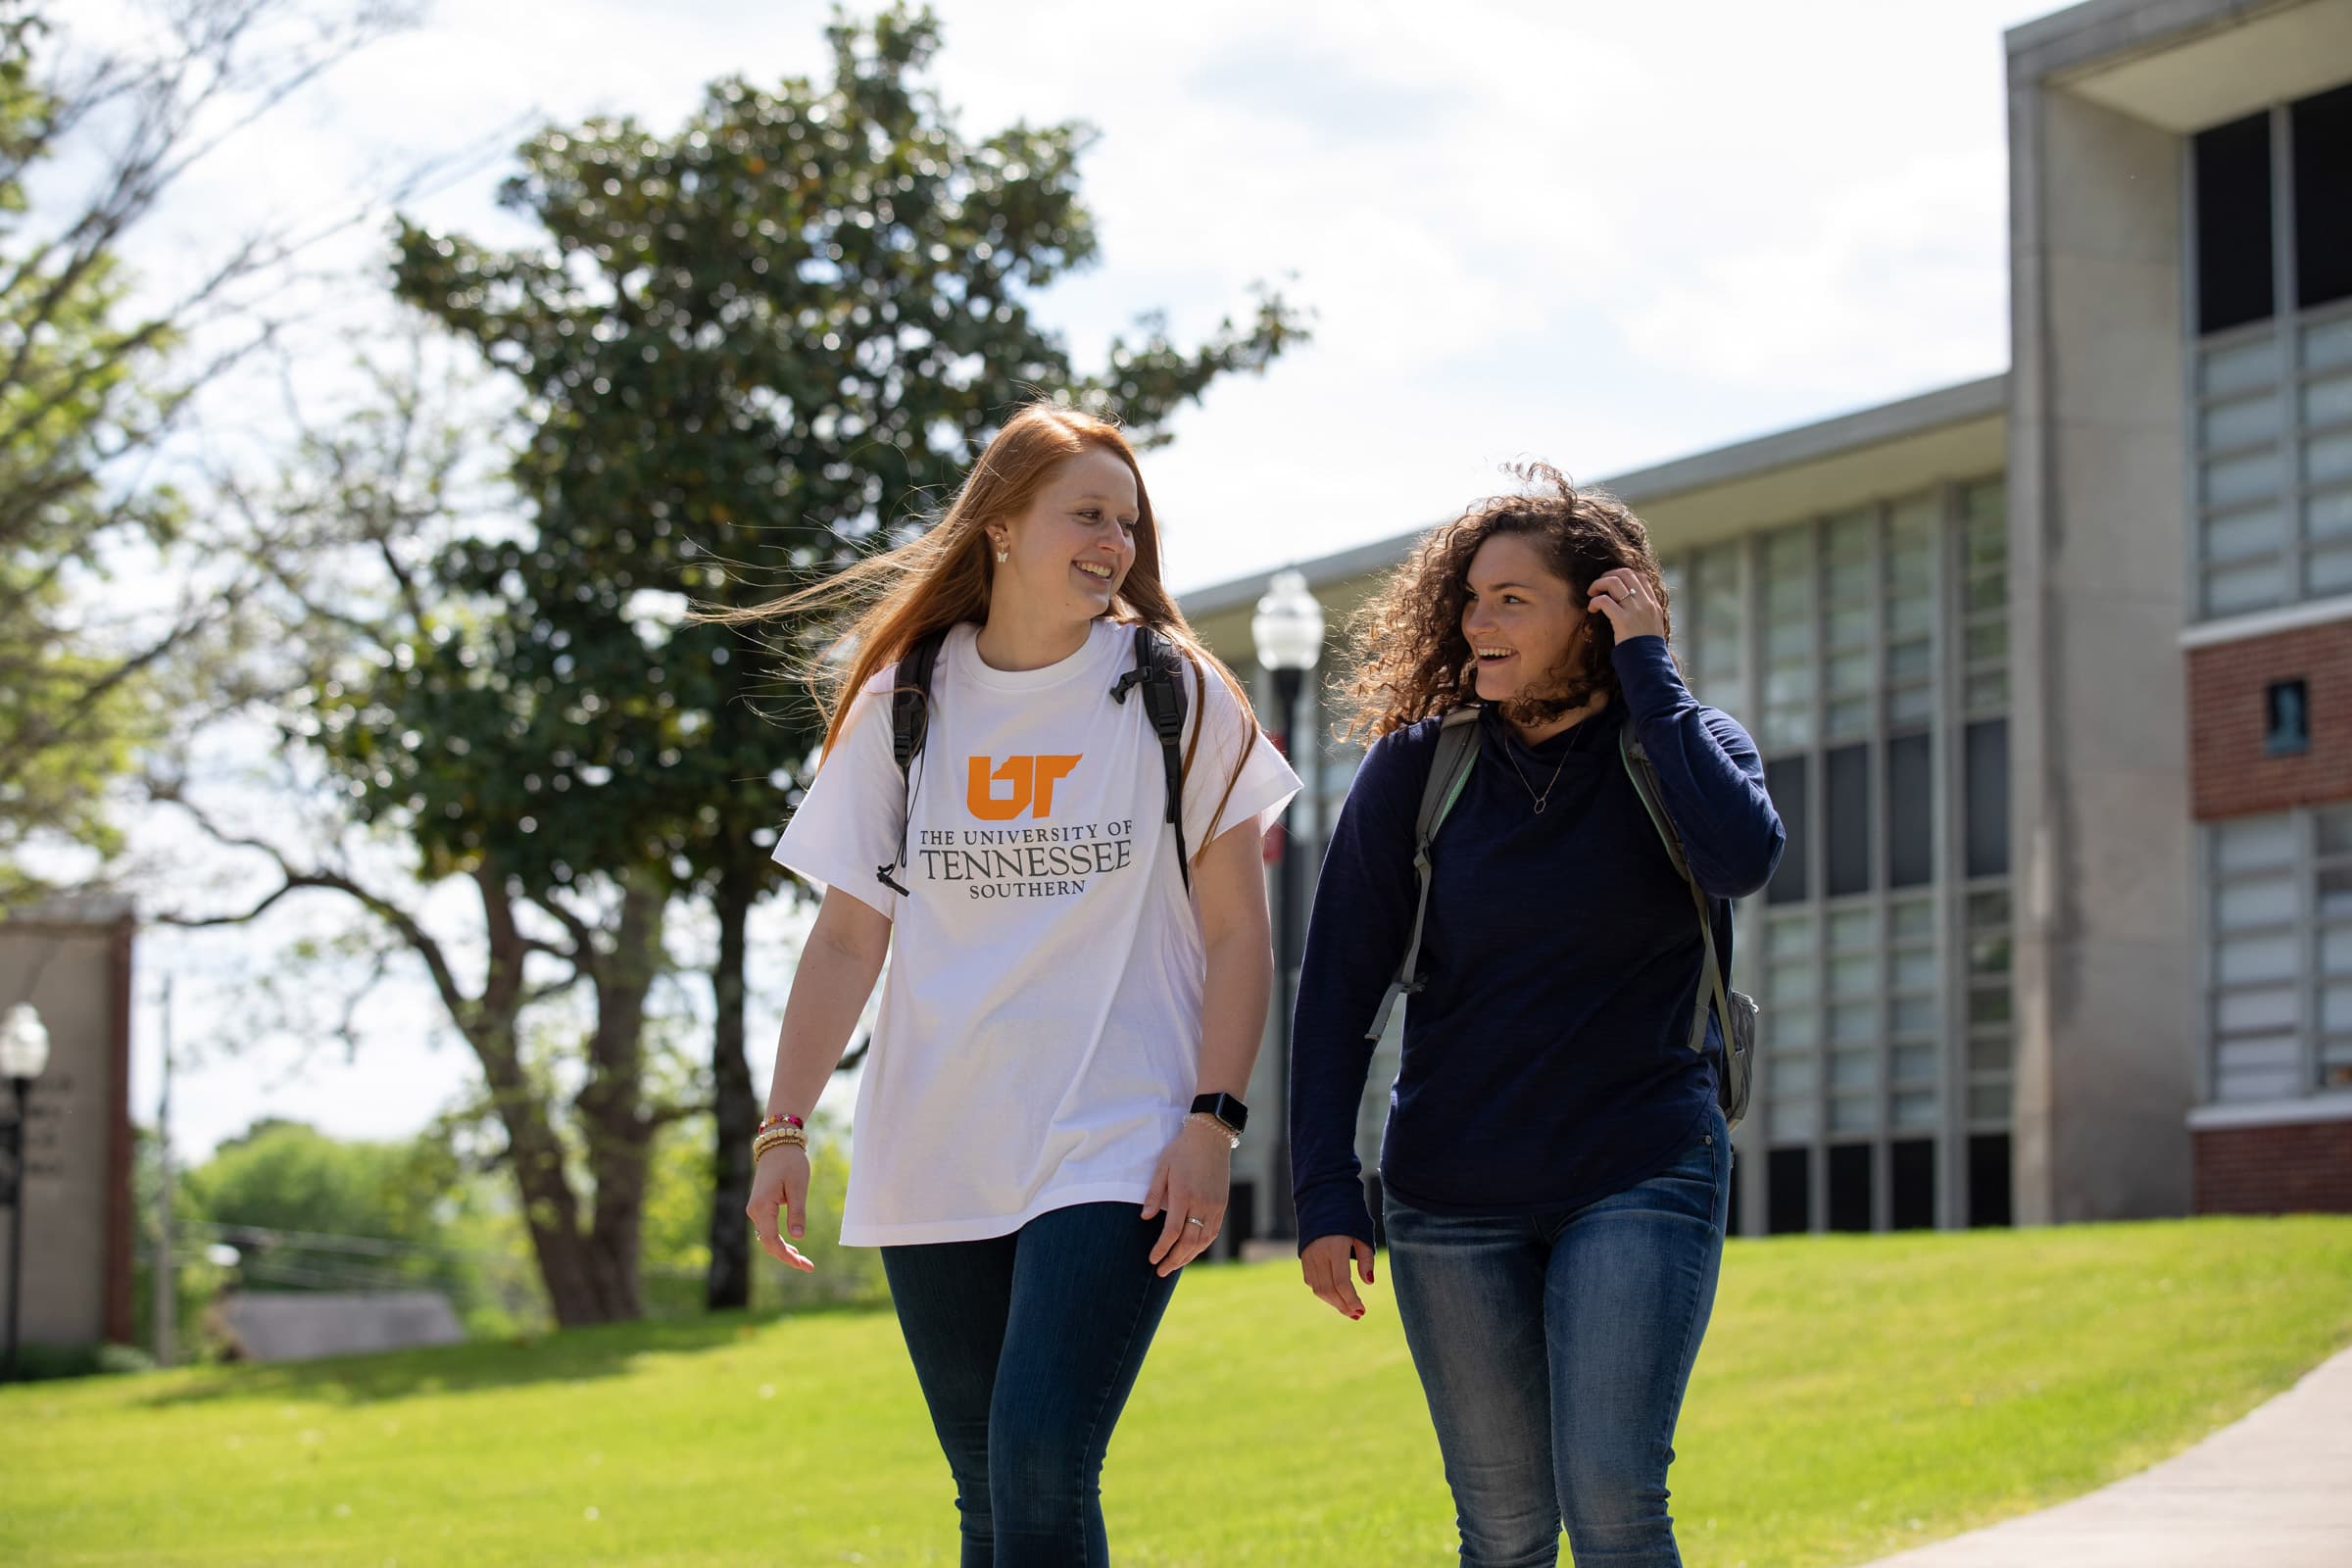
(1026, 1346)
(1554, 1350)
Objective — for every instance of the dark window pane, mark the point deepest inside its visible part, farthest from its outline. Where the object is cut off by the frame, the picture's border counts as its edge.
(1731, 1224)
(1240, 1218)
(1910, 801)
(2322, 134)
(1850, 1188)
(1785, 780)
(1989, 1179)
(1789, 1204)
(1847, 819)
(2233, 224)
(1913, 1175)
(2287, 713)
(1986, 806)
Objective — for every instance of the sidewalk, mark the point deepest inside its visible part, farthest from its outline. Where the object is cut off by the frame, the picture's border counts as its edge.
(2275, 1490)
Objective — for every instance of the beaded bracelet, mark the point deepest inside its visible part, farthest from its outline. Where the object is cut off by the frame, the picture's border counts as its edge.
(778, 1138)
(778, 1121)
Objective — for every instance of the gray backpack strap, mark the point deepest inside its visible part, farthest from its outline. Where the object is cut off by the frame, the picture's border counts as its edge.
(1448, 771)
(1645, 784)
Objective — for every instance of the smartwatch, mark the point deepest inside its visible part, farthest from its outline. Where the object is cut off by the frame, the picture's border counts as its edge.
(1229, 1112)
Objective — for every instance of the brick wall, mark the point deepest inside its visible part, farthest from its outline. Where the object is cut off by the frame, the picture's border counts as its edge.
(2303, 1168)
(2228, 773)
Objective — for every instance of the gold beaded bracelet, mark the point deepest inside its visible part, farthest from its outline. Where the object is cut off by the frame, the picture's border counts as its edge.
(777, 1138)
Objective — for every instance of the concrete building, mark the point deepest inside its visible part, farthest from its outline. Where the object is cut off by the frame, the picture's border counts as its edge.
(2053, 676)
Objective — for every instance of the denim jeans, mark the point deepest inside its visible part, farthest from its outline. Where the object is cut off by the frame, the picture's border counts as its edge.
(1554, 1348)
(1026, 1346)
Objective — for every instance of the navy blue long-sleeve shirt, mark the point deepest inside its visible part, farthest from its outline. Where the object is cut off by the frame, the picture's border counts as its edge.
(1547, 1062)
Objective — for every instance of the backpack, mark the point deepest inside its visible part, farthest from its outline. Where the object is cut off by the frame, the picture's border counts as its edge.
(1157, 670)
(1450, 769)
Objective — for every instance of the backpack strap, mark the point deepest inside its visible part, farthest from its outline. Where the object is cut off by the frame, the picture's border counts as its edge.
(910, 726)
(1645, 774)
(1448, 770)
(1156, 672)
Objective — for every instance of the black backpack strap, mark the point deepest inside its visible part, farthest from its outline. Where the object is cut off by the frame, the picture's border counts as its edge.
(1645, 774)
(1157, 670)
(909, 725)
(1448, 770)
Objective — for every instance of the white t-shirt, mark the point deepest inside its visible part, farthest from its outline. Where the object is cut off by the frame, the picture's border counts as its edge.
(1039, 1041)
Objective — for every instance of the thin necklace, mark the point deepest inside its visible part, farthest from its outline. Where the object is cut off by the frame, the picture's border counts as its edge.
(1544, 799)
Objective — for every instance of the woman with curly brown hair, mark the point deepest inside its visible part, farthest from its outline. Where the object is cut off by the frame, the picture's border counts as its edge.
(1556, 1168)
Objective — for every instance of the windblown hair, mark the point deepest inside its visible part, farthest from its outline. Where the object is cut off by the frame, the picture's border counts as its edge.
(878, 607)
(1407, 657)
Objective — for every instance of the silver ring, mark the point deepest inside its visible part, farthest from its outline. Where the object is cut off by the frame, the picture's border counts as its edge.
(1193, 1222)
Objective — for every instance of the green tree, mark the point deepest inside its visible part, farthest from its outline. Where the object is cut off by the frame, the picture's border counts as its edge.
(769, 337)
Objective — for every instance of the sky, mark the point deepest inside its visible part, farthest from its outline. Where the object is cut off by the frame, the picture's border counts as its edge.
(1602, 237)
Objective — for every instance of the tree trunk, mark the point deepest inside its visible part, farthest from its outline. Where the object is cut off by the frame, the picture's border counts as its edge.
(735, 1103)
(612, 1103)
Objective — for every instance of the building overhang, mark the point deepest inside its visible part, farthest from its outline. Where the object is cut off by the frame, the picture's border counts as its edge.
(2187, 64)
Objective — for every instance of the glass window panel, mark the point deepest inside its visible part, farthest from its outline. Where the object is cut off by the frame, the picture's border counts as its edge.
(2235, 535)
(2265, 901)
(1984, 771)
(2327, 402)
(1915, 1015)
(2261, 1082)
(1988, 590)
(2329, 515)
(1988, 1004)
(2271, 1007)
(2331, 829)
(1789, 683)
(1853, 1069)
(1911, 660)
(1849, 625)
(1910, 826)
(2271, 958)
(1912, 918)
(2330, 343)
(2253, 844)
(1788, 936)
(1847, 819)
(2239, 420)
(2335, 892)
(1989, 1101)
(1795, 1120)
(2336, 1007)
(1787, 726)
(1846, 717)
(1988, 691)
(2328, 459)
(2231, 166)
(1786, 1077)
(2320, 137)
(1988, 908)
(1913, 969)
(1854, 1114)
(1912, 1064)
(1853, 977)
(1789, 552)
(1849, 672)
(1791, 1028)
(1790, 983)
(1988, 955)
(2335, 950)
(1916, 1108)
(2238, 368)
(1987, 639)
(2257, 1050)
(1990, 1054)
(1784, 782)
(1912, 705)
(2230, 590)
(2327, 571)
(1847, 535)
(2230, 480)
(1854, 928)
(1853, 1021)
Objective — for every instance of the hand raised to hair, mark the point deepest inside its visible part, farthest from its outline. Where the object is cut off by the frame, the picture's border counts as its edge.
(1631, 611)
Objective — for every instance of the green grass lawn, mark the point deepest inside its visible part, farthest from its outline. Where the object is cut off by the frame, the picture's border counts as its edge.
(1858, 1394)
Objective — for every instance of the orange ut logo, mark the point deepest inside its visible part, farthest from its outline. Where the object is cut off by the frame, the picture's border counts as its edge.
(1030, 778)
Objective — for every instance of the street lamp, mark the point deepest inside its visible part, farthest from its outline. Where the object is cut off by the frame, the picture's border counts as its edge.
(23, 1054)
(1288, 630)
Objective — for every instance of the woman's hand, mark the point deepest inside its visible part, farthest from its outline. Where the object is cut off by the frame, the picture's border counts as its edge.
(1324, 1266)
(1194, 1180)
(780, 1189)
(1620, 596)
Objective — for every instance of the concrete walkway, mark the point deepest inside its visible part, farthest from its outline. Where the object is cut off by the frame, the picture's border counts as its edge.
(2275, 1490)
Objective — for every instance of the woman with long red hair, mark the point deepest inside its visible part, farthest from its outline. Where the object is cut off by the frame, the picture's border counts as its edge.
(1069, 885)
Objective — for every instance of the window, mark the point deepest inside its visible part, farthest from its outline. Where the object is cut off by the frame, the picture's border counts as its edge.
(1789, 1205)
(1985, 808)
(1850, 1187)
(2233, 224)
(1989, 1179)
(1784, 781)
(1911, 1184)
(1847, 819)
(2321, 138)
(2286, 715)
(2279, 955)
(1910, 811)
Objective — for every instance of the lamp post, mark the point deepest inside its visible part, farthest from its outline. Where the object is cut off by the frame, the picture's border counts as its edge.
(1288, 630)
(23, 1054)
